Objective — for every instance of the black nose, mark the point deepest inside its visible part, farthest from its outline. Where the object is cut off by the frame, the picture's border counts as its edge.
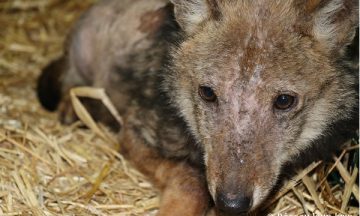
(233, 204)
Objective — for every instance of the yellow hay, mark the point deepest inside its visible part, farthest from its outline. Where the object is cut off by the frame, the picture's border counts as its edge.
(50, 169)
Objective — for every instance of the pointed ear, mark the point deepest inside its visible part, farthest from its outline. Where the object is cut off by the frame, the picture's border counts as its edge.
(191, 13)
(334, 22)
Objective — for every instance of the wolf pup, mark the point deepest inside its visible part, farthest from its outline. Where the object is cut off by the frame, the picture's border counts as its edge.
(218, 96)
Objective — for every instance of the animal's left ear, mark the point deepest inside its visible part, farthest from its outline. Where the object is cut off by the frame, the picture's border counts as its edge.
(334, 22)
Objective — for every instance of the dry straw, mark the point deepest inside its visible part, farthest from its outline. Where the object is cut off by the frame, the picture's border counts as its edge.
(50, 169)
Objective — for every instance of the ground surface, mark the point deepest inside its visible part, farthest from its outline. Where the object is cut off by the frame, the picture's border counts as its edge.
(50, 169)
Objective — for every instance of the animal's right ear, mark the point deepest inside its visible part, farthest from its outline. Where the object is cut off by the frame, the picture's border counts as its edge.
(190, 14)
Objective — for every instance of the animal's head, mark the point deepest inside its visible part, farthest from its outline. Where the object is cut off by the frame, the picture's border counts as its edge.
(257, 81)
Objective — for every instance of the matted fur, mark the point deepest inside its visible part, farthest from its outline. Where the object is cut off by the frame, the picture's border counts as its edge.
(249, 52)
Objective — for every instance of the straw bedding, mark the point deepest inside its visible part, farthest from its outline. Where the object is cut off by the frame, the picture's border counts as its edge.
(50, 169)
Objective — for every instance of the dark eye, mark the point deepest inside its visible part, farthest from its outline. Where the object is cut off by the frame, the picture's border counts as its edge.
(207, 94)
(284, 102)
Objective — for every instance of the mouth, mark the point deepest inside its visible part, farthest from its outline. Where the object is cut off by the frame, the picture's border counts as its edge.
(223, 213)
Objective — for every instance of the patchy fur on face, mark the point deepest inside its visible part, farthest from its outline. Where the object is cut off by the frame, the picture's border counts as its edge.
(249, 54)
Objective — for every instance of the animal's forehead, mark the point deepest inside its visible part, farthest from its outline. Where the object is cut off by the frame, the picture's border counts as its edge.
(258, 43)
(246, 62)
(243, 48)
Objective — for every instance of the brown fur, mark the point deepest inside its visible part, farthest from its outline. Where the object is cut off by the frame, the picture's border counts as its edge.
(257, 50)
(249, 52)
